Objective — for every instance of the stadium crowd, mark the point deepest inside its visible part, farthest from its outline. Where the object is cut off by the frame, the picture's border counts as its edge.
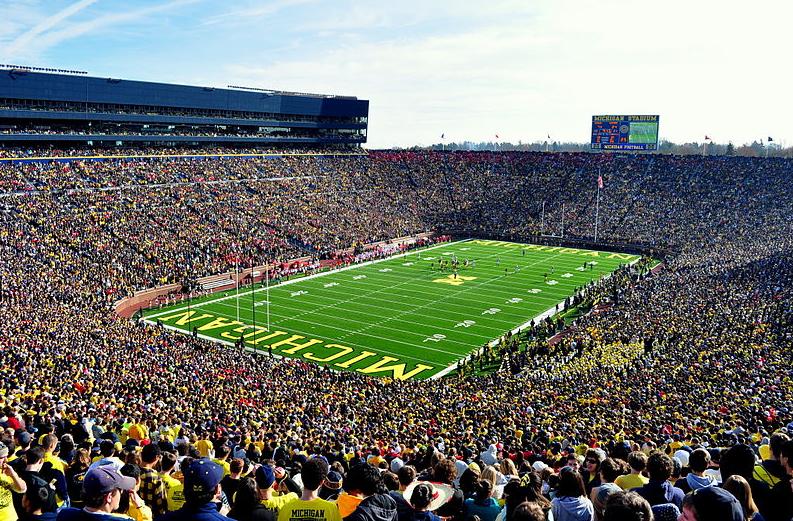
(695, 356)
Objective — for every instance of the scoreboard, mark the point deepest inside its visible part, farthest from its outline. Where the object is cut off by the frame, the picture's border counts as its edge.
(625, 132)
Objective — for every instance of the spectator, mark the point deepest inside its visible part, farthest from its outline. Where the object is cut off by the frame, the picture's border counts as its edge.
(377, 504)
(770, 470)
(102, 488)
(591, 472)
(34, 459)
(739, 487)
(610, 470)
(406, 475)
(711, 504)
(107, 449)
(310, 507)
(780, 500)
(698, 461)
(741, 460)
(570, 502)
(75, 475)
(202, 494)
(637, 462)
(230, 482)
(265, 479)
(152, 486)
(528, 512)
(174, 489)
(425, 498)
(36, 502)
(247, 503)
(482, 504)
(659, 490)
(627, 506)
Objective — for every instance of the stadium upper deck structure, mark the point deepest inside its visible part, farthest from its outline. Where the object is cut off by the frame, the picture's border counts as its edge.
(48, 107)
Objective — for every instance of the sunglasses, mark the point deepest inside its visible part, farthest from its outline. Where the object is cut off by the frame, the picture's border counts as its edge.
(593, 461)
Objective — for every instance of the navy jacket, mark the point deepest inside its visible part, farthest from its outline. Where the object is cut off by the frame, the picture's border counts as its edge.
(206, 512)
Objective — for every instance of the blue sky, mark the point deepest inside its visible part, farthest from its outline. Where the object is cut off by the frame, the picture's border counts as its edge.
(467, 69)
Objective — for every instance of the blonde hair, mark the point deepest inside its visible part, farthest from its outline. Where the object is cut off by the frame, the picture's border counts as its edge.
(508, 467)
(490, 474)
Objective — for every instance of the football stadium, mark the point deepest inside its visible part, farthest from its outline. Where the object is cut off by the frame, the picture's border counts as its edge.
(221, 293)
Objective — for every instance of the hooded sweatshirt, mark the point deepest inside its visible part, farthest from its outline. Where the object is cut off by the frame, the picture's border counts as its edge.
(657, 492)
(697, 482)
(379, 507)
(567, 508)
(490, 456)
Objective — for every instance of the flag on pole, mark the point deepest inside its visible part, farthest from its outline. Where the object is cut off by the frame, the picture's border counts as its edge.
(769, 139)
(600, 181)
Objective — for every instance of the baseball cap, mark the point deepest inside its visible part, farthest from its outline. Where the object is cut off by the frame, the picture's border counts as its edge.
(716, 504)
(202, 476)
(333, 481)
(104, 479)
(265, 477)
(23, 437)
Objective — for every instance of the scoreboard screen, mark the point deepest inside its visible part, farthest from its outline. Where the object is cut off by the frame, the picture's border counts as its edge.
(625, 132)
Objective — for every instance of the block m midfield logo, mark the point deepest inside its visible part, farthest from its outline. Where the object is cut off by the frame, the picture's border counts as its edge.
(455, 281)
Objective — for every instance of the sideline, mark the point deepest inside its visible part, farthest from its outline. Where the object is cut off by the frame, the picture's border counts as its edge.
(300, 279)
(542, 316)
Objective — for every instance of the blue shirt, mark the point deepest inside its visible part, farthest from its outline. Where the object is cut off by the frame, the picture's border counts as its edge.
(486, 512)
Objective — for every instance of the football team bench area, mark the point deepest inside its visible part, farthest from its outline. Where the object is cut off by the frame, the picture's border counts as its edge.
(415, 315)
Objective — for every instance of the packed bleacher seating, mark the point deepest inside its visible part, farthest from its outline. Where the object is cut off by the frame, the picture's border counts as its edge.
(696, 355)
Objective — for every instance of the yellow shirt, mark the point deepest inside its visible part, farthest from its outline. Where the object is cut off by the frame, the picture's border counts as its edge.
(225, 464)
(275, 504)
(7, 512)
(139, 514)
(203, 446)
(314, 510)
(138, 431)
(174, 489)
(57, 463)
(630, 481)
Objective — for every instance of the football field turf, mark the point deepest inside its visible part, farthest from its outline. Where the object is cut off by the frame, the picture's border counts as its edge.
(399, 317)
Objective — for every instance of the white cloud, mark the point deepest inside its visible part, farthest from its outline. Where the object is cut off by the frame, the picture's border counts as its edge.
(39, 39)
(252, 14)
(25, 40)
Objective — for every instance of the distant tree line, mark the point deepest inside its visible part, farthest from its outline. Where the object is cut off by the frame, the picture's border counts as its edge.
(754, 149)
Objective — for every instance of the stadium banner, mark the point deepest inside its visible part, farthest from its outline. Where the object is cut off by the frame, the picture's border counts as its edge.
(155, 157)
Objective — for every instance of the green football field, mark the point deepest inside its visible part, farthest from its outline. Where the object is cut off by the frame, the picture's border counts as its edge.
(400, 317)
(644, 132)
